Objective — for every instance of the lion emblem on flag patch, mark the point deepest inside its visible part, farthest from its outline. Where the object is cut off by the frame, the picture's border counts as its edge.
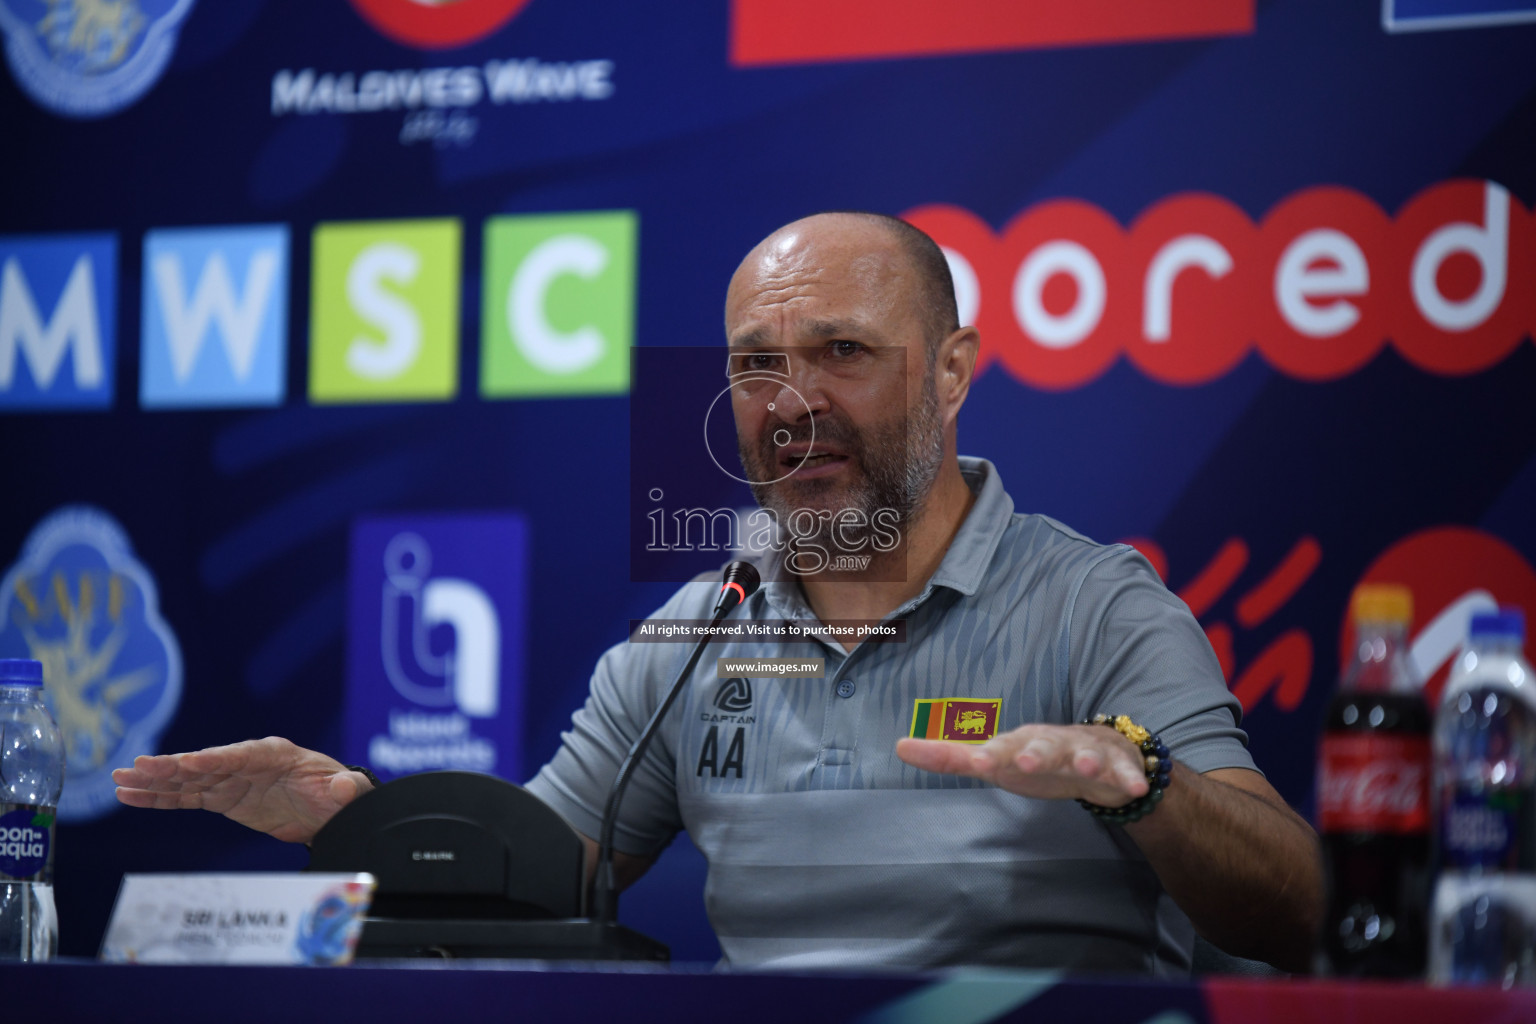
(963, 719)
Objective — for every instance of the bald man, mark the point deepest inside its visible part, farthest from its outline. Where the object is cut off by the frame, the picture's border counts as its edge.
(835, 838)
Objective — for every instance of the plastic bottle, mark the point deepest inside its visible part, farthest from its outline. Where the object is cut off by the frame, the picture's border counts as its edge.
(1373, 798)
(31, 777)
(1485, 803)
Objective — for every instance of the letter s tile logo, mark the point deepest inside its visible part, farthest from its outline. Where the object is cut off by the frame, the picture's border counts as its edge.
(384, 324)
(558, 304)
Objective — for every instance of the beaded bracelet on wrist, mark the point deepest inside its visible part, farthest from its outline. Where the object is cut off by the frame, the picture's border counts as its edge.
(1156, 762)
(362, 769)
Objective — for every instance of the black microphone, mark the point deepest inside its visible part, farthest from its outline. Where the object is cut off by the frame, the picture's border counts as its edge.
(740, 582)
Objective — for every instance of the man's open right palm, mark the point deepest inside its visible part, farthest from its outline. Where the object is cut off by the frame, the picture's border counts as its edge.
(270, 785)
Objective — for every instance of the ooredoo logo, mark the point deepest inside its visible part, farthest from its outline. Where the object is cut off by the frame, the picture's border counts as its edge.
(1319, 287)
(438, 24)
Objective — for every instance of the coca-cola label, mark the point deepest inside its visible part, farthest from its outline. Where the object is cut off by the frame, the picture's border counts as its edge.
(1373, 782)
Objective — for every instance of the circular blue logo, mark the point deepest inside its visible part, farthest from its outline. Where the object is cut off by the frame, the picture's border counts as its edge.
(89, 58)
(80, 601)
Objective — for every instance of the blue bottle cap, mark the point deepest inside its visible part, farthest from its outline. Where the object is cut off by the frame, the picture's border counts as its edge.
(20, 672)
(1506, 622)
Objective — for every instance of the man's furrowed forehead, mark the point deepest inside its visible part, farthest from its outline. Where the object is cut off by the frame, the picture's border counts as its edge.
(802, 289)
(806, 331)
(820, 256)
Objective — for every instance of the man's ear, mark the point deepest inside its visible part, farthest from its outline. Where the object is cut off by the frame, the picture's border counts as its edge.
(954, 367)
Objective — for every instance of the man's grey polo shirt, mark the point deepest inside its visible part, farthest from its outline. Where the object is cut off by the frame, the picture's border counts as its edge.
(825, 850)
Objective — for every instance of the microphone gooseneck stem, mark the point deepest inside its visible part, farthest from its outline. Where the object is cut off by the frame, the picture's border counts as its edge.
(740, 582)
(605, 896)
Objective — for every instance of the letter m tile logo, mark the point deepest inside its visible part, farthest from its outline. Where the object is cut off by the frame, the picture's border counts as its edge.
(58, 326)
(215, 317)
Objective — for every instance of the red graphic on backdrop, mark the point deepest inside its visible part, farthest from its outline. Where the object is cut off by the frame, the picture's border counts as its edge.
(437, 24)
(1284, 667)
(1318, 288)
(1448, 568)
(1372, 782)
(1452, 572)
(799, 31)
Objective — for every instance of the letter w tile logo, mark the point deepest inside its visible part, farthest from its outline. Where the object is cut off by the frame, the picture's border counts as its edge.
(735, 696)
(215, 317)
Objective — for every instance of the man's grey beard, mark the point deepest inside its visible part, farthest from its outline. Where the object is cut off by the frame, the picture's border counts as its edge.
(898, 465)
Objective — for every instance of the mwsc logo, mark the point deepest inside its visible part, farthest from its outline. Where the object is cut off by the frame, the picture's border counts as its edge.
(89, 58)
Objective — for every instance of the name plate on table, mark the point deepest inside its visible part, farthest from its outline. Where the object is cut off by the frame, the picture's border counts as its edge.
(238, 918)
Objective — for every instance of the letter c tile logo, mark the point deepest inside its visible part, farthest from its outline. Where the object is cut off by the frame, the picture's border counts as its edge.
(558, 304)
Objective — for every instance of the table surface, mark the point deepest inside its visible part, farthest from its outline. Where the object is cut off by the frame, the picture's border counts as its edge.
(445, 992)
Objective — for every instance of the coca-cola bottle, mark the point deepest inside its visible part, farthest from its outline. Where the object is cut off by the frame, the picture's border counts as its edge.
(1373, 798)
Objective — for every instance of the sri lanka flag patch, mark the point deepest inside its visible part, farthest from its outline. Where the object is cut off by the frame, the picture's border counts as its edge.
(966, 719)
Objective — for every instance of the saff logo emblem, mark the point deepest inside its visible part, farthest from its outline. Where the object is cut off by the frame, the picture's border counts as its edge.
(735, 696)
(963, 719)
(80, 601)
(89, 58)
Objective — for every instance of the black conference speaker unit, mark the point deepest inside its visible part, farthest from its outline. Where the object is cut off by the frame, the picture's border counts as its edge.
(470, 866)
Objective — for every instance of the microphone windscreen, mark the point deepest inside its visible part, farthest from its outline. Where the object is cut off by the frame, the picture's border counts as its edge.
(740, 582)
(744, 573)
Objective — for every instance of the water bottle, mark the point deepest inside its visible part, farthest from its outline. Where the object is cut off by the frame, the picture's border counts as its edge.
(1484, 929)
(31, 776)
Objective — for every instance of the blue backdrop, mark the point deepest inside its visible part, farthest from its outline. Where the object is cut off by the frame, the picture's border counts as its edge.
(236, 402)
